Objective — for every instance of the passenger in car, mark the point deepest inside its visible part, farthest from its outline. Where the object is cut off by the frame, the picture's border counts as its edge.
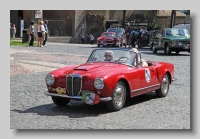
(144, 63)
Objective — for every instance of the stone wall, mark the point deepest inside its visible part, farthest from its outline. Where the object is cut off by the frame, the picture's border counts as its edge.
(59, 22)
(164, 22)
(95, 25)
(78, 25)
(14, 20)
(139, 15)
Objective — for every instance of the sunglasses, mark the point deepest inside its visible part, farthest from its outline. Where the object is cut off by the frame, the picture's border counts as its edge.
(107, 55)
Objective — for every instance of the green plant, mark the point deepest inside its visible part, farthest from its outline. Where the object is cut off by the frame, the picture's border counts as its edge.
(152, 25)
(19, 43)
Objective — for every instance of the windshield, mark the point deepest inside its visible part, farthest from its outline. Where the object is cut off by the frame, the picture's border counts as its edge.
(114, 30)
(177, 32)
(108, 34)
(121, 56)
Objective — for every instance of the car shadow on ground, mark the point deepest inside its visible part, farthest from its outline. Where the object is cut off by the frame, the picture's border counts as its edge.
(78, 109)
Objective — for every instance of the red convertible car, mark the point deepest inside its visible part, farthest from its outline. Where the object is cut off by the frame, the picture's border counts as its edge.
(108, 38)
(111, 76)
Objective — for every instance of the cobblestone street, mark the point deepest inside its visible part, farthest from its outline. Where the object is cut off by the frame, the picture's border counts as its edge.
(31, 109)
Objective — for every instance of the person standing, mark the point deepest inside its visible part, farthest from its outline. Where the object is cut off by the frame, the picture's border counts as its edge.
(31, 28)
(128, 32)
(142, 31)
(134, 37)
(40, 30)
(46, 32)
(91, 38)
(14, 30)
(83, 38)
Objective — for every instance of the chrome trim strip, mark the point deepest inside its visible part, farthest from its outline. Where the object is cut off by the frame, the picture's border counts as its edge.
(145, 87)
(74, 97)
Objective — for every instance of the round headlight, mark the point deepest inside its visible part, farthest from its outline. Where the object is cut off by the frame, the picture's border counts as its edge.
(98, 83)
(97, 38)
(49, 79)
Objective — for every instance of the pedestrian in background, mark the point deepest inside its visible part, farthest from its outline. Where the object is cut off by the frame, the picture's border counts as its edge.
(31, 28)
(128, 32)
(39, 33)
(83, 38)
(134, 37)
(91, 38)
(14, 31)
(10, 30)
(46, 32)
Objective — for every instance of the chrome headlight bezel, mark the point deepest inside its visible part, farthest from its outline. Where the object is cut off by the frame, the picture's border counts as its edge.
(98, 83)
(50, 79)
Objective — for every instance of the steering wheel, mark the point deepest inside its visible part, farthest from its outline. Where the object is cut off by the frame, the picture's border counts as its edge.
(124, 60)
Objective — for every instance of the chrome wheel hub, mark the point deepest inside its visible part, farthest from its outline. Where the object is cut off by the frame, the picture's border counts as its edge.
(165, 84)
(118, 97)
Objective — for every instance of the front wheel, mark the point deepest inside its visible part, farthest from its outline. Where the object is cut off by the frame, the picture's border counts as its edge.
(177, 52)
(167, 50)
(154, 49)
(118, 97)
(164, 88)
(151, 47)
(60, 101)
(139, 45)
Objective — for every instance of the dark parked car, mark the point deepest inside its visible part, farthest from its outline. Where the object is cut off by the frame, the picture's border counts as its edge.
(171, 39)
(152, 34)
(119, 31)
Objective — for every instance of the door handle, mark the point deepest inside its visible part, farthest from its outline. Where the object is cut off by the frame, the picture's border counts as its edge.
(152, 70)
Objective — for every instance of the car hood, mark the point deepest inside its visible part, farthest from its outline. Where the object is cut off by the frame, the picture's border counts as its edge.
(93, 70)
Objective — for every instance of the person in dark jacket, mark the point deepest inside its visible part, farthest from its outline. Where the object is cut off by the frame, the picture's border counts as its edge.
(46, 32)
(32, 32)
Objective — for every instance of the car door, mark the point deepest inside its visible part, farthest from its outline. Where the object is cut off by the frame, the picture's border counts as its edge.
(158, 41)
(147, 78)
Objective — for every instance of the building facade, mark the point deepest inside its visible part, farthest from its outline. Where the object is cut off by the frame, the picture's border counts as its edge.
(73, 22)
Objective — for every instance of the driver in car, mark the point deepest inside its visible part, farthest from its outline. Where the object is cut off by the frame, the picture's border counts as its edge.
(108, 55)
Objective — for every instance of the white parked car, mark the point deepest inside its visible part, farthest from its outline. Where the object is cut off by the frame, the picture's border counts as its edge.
(183, 26)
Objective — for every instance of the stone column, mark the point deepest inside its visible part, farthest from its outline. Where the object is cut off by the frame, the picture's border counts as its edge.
(78, 18)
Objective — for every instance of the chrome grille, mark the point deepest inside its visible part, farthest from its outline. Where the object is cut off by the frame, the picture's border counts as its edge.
(186, 42)
(74, 84)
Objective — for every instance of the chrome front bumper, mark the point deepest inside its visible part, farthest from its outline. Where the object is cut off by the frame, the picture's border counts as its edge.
(74, 97)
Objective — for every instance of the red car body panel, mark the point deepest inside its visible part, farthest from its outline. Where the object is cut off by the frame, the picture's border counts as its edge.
(111, 73)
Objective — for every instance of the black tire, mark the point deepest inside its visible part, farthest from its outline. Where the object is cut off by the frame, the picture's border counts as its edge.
(117, 102)
(151, 47)
(167, 50)
(177, 52)
(164, 87)
(60, 101)
(154, 49)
